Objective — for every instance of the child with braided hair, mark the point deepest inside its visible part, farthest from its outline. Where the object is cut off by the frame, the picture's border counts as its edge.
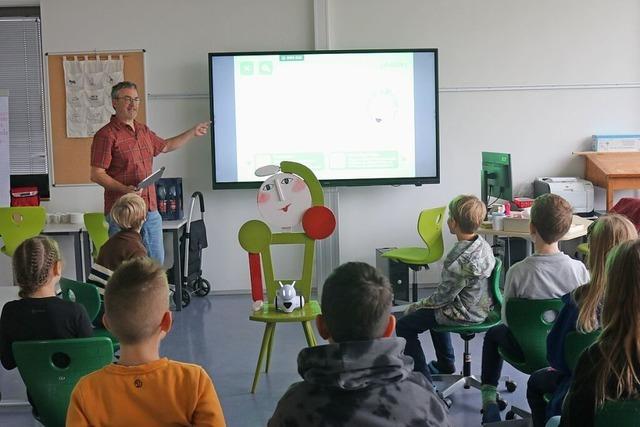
(39, 314)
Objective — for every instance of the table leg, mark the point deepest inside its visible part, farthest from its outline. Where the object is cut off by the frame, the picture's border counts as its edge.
(177, 270)
(86, 252)
(77, 245)
(610, 192)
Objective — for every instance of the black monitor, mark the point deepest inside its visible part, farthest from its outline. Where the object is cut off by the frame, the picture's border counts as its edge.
(496, 177)
(358, 117)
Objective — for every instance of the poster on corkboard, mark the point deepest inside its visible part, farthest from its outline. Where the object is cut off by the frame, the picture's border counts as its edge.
(71, 135)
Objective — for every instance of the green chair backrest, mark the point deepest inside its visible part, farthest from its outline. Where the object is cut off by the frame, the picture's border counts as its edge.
(494, 283)
(51, 369)
(618, 413)
(18, 224)
(530, 322)
(98, 229)
(430, 230)
(575, 343)
(82, 293)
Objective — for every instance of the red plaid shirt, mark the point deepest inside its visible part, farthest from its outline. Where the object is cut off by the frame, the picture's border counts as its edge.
(127, 157)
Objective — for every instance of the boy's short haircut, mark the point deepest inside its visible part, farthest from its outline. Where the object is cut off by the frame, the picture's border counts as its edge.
(129, 211)
(135, 299)
(356, 302)
(551, 215)
(468, 212)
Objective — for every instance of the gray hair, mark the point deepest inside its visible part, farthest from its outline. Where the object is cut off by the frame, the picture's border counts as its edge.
(122, 85)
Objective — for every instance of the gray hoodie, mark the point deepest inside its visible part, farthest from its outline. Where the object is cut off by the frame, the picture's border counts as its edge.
(360, 383)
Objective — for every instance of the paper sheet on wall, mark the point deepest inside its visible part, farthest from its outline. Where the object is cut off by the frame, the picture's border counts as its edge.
(5, 170)
(88, 93)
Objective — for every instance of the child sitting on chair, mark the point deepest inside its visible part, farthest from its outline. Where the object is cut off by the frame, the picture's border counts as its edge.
(39, 314)
(142, 388)
(546, 274)
(609, 370)
(129, 212)
(463, 294)
(361, 378)
(581, 312)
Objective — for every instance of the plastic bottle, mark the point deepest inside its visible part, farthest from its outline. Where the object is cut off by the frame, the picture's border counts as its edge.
(172, 207)
(162, 200)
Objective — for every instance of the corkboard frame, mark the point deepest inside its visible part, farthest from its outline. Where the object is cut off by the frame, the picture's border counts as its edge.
(70, 157)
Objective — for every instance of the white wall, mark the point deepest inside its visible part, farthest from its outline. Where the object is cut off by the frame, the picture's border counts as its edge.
(489, 45)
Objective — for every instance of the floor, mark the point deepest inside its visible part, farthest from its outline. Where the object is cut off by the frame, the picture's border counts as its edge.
(215, 332)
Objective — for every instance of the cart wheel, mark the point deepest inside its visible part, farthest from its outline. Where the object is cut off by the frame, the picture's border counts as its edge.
(502, 404)
(202, 287)
(186, 298)
(511, 386)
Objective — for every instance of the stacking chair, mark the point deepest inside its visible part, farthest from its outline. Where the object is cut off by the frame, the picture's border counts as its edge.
(530, 322)
(98, 230)
(467, 332)
(88, 296)
(430, 230)
(618, 413)
(575, 344)
(51, 369)
(18, 224)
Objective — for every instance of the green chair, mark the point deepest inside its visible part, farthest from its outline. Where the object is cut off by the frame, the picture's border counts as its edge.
(88, 296)
(530, 322)
(98, 229)
(467, 332)
(430, 230)
(618, 413)
(18, 224)
(575, 343)
(51, 369)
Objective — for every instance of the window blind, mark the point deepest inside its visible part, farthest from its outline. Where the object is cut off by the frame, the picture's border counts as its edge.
(22, 75)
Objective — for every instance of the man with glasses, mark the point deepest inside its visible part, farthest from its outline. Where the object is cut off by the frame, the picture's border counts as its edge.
(122, 155)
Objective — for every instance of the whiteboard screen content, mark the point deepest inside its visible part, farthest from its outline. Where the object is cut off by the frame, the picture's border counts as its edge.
(353, 117)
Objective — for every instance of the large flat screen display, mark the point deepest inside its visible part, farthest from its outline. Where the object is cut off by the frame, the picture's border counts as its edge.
(353, 117)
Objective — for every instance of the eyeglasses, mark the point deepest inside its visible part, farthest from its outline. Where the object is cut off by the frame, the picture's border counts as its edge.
(129, 100)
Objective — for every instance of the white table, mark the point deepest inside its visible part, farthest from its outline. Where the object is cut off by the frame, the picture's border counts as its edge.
(578, 229)
(74, 230)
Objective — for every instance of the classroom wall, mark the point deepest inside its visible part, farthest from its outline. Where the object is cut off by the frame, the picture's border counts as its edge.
(532, 79)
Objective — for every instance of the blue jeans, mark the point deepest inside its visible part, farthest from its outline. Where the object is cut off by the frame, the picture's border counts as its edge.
(151, 234)
(416, 323)
(497, 337)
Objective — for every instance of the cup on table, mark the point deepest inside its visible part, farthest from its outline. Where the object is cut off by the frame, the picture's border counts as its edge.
(497, 220)
(65, 218)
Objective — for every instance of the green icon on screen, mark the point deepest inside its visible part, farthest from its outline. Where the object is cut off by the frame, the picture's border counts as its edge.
(266, 67)
(246, 68)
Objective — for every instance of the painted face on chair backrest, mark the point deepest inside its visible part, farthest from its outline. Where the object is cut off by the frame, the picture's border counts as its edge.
(282, 200)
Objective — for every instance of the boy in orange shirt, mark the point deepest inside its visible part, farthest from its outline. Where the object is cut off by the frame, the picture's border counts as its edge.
(143, 389)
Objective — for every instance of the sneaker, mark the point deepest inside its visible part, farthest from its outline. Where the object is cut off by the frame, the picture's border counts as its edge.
(436, 369)
(491, 413)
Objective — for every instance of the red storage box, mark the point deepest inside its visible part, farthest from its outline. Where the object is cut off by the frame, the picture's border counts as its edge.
(523, 202)
(25, 196)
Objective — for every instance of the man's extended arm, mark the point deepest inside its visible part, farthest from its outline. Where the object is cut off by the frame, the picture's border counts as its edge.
(178, 141)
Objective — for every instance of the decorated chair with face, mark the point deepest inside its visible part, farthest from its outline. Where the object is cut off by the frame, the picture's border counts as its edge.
(290, 196)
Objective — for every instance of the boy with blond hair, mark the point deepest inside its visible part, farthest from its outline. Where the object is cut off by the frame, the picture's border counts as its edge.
(546, 274)
(143, 389)
(463, 295)
(361, 378)
(129, 213)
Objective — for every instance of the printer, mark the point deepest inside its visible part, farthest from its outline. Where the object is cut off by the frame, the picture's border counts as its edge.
(578, 192)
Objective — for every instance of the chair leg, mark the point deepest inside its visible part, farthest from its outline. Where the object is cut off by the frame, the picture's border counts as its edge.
(308, 333)
(270, 347)
(263, 350)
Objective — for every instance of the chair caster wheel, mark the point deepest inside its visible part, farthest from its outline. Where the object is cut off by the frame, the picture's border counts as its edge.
(511, 386)
(448, 402)
(510, 416)
(502, 404)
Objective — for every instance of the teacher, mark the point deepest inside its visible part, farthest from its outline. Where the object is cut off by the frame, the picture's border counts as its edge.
(122, 155)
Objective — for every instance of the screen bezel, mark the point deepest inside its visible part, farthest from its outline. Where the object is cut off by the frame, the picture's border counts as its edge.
(328, 182)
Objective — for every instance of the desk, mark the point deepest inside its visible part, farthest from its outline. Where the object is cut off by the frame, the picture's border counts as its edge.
(74, 230)
(578, 228)
(612, 171)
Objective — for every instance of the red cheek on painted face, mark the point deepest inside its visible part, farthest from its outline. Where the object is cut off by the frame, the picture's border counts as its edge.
(298, 186)
(263, 197)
